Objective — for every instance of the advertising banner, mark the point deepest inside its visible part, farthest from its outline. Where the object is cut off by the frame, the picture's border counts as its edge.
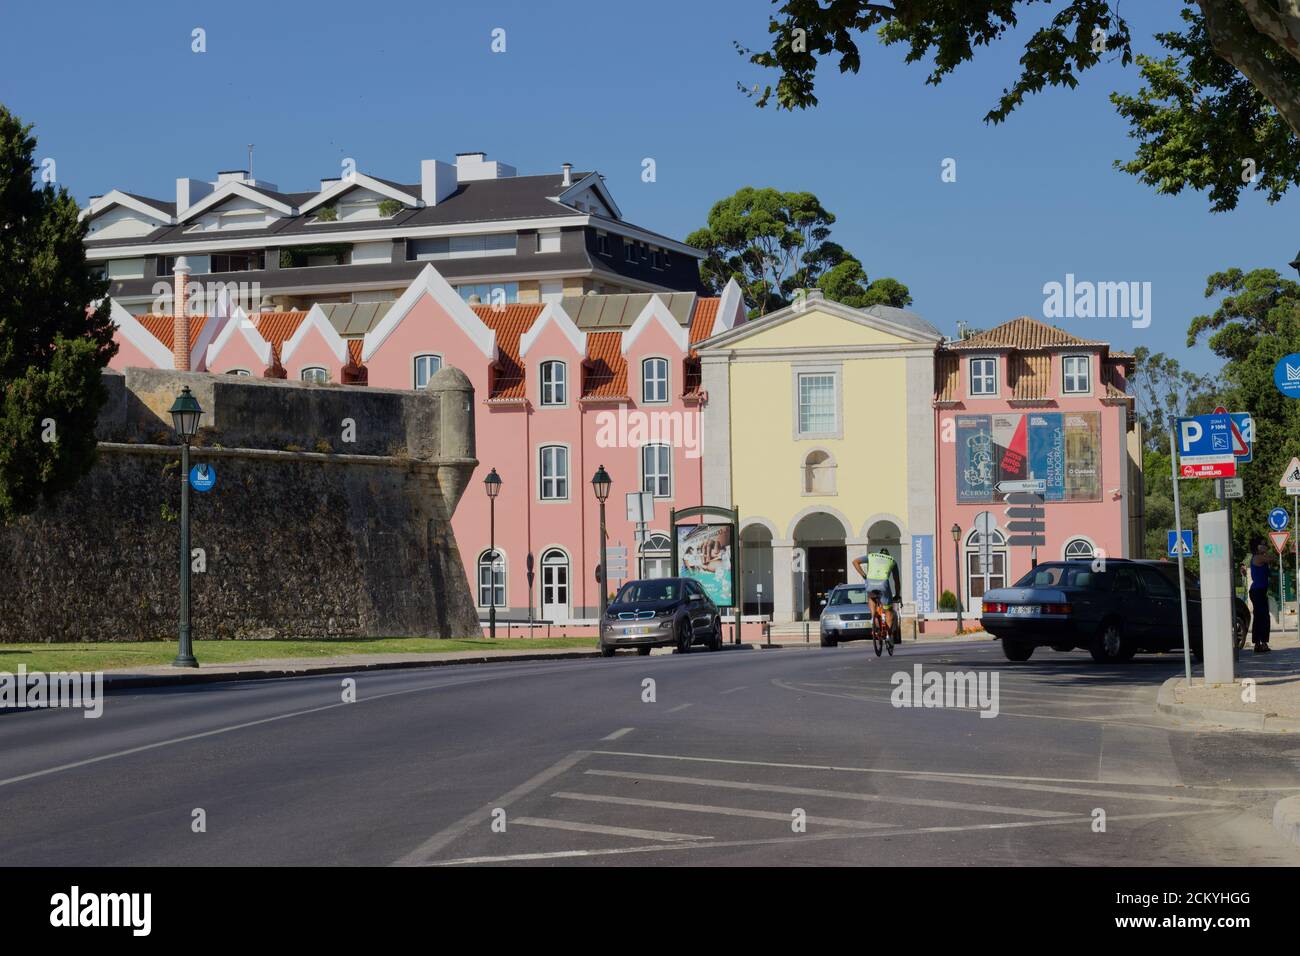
(923, 572)
(705, 554)
(1083, 456)
(1047, 452)
(975, 462)
(1011, 442)
(1061, 448)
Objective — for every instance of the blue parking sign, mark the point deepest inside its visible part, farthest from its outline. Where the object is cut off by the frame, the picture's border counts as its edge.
(1183, 547)
(1204, 437)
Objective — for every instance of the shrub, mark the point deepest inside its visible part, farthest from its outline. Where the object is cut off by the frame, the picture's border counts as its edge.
(947, 601)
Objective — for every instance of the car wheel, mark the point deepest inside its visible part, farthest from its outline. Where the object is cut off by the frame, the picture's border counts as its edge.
(1109, 645)
(1063, 648)
(684, 638)
(643, 651)
(829, 641)
(1017, 650)
(1241, 627)
(716, 643)
(606, 651)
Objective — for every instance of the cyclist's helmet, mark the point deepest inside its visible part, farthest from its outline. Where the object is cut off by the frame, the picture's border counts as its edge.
(884, 551)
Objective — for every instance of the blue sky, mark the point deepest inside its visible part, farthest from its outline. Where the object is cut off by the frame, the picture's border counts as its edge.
(120, 100)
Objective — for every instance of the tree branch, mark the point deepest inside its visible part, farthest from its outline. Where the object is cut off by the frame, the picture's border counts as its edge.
(1238, 44)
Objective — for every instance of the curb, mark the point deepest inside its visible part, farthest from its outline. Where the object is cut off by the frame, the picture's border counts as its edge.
(1205, 717)
(1286, 818)
(134, 681)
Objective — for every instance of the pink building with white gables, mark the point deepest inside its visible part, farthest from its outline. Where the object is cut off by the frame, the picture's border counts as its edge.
(563, 387)
(1026, 400)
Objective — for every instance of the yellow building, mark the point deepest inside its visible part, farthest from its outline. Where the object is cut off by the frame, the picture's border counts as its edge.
(819, 427)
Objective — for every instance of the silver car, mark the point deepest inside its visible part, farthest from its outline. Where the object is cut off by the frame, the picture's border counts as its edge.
(846, 616)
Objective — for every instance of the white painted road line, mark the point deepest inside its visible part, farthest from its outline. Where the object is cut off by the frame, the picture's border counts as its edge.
(731, 691)
(618, 733)
(784, 816)
(835, 794)
(678, 707)
(657, 835)
(1077, 791)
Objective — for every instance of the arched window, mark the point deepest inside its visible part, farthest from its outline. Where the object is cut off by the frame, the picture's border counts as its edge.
(656, 556)
(555, 585)
(239, 371)
(1079, 548)
(426, 367)
(818, 473)
(985, 569)
(315, 374)
(554, 383)
(491, 579)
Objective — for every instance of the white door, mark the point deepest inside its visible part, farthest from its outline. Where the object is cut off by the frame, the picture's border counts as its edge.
(555, 586)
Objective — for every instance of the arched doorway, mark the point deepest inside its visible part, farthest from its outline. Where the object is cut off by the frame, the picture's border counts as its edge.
(555, 586)
(656, 556)
(885, 534)
(984, 575)
(820, 538)
(756, 564)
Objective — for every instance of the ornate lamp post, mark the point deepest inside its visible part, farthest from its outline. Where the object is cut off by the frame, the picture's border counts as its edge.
(185, 412)
(956, 564)
(600, 483)
(492, 485)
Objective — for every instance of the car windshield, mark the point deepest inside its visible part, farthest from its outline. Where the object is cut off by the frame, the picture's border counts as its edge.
(1170, 570)
(848, 596)
(1071, 575)
(637, 592)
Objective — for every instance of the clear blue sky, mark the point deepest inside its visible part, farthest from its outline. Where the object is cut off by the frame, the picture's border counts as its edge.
(119, 100)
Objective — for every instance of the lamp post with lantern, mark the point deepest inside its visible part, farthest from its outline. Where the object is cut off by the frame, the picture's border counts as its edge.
(185, 412)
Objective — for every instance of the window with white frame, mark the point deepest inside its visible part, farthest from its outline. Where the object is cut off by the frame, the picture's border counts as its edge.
(983, 376)
(1075, 377)
(426, 367)
(986, 565)
(656, 556)
(554, 383)
(817, 405)
(491, 579)
(315, 374)
(656, 470)
(1078, 548)
(554, 473)
(239, 371)
(654, 380)
(548, 240)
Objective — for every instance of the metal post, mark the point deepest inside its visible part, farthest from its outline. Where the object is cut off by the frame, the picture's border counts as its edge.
(1295, 532)
(185, 654)
(1178, 539)
(492, 569)
(956, 558)
(604, 595)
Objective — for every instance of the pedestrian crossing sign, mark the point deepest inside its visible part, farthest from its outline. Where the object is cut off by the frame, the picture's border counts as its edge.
(1180, 545)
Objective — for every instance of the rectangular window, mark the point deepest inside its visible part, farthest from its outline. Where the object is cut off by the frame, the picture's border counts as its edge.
(461, 247)
(553, 383)
(983, 376)
(629, 252)
(656, 470)
(1075, 377)
(548, 240)
(555, 473)
(497, 293)
(602, 244)
(654, 380)
(315, 374)
(491, 581)
(817, 413)
(236, 261)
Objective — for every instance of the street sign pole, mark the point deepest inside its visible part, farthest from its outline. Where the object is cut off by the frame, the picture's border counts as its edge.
(1178, 526)
(1295, 507)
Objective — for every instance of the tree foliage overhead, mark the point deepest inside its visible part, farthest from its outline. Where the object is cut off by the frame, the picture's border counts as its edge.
(1228, 92)
(53, 346)
(1161, 387)
(774, 243)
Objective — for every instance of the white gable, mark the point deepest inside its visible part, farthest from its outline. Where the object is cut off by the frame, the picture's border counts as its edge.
(431, 283)
(315, 319)
(129, 327)
(656, 311)
(552, 313)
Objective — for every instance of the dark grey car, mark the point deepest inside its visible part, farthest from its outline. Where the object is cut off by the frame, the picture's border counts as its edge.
(661, 612)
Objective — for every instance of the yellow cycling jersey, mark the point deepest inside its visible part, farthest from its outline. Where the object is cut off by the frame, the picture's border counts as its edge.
(879, 567)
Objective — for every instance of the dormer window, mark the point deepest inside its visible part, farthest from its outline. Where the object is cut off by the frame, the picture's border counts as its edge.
(1076, 375)
(983, 377)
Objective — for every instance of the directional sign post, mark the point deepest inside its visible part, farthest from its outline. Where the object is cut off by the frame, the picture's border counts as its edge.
(1181, 544)
(985, 524)
(1178, 528)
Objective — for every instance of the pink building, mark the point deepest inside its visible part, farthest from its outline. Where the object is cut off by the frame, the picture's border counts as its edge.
(563, 387)
(1027, 400)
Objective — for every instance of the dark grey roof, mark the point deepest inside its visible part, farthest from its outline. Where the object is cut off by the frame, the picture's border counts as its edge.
(909, 320)
(160, 204)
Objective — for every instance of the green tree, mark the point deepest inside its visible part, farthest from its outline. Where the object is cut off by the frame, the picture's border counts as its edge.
(773, 243)
(1162, 387)
(1228, 92)
(53, 344)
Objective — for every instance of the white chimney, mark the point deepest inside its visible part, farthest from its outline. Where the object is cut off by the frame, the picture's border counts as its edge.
(232, 176)
(474, 166)
(327, 183)
(437, 181)
(188, 192)
(568, 174)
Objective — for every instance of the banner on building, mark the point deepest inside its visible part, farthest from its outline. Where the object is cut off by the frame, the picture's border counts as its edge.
(923, 572)
(1061, 448)
(704, 553)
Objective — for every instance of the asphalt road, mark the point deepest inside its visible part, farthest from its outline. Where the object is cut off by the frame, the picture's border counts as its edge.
(735, 749)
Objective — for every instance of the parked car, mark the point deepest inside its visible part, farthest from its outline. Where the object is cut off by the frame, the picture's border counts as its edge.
(1130, 606)
(661, 612)
(846, 616)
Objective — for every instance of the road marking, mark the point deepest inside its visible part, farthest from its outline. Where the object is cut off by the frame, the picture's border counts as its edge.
(807, 838)
(784, 817)
(678, 707)
(659, 835)
(836, 794)
(1131, 756)
(618, 733)
(1078, 791)
(731, 691)
(484, 813)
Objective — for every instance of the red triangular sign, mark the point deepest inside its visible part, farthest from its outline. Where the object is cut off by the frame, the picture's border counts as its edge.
(1279, 539)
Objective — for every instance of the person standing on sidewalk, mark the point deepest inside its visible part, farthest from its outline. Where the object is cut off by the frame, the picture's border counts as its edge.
(1260, 559)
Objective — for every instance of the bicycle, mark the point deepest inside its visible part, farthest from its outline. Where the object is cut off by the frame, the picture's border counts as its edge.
(882, 635)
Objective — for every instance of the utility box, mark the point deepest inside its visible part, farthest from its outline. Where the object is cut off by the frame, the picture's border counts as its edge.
(1216, 596)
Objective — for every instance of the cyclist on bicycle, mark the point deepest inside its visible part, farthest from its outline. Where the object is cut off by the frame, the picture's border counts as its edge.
(882, 579)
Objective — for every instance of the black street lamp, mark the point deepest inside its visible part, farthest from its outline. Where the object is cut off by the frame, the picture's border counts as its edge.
(185, 412)
(956, 564)
(600, 483)
(492, 484)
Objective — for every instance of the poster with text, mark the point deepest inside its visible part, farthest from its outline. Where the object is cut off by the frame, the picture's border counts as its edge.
(1011, 444)
(1083, 456)
(1047, 452)
(975, 461)
(923, 572)
(704, 552)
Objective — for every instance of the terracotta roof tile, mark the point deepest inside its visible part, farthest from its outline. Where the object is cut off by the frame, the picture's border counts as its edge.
(1023, 333)
(160, 327)
(947, 378)
(509, 323)
(606, 368)
(1030, 375)
(706, 310)
(277, 328)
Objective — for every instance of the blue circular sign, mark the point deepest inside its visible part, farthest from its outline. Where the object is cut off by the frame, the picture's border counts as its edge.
(202, 477)
(1278, 518)
(1286, 375)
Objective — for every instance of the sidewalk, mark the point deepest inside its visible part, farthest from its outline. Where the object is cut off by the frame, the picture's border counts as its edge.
(1276, 708)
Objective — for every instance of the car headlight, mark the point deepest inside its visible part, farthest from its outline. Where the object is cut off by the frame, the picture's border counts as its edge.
(665, 612)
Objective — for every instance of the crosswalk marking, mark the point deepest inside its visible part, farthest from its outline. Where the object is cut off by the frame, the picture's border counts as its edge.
(660, 835)
(783, 816)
